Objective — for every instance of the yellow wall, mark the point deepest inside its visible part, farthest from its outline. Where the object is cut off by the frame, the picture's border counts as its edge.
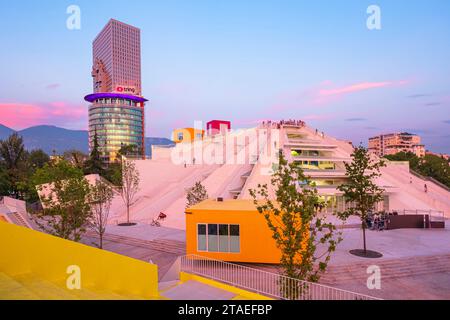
(28, 251)
(189, 134)
(256, 242)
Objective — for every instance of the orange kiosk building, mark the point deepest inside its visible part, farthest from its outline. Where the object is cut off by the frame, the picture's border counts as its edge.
(230, 230)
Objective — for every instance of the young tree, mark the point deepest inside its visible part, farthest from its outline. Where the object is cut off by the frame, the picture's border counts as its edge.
(196, 194)
(130, 185)
(100, 198)
(360, 190)
(66, 208)
(297, 229)
(94, 164)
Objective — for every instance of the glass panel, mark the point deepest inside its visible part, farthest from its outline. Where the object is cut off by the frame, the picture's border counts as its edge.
(234, 238)
(223, 238)
(201, 237)
(212, 238)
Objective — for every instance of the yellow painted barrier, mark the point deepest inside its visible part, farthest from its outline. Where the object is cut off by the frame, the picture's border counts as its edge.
(240, 293)
(25, 251)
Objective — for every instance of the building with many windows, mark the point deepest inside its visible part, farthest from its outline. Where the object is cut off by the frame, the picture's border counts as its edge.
(116, 113)
(392, 143)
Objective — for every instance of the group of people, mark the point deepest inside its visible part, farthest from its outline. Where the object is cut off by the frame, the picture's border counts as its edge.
(279, 124)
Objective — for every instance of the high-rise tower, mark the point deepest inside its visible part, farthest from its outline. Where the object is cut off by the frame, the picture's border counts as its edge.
(116, 114)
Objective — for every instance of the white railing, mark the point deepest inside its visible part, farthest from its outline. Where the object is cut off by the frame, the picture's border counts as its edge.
(266, 283)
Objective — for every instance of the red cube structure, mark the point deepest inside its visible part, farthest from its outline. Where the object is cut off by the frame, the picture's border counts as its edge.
(214, 127)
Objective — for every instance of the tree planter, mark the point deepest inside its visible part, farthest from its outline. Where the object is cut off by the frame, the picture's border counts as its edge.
(127, 224)
(368, 254)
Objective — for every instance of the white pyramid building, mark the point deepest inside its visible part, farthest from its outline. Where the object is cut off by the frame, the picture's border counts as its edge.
(230, 164)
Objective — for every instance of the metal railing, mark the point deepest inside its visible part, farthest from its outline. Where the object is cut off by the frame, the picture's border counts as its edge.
(435, 215)
(266, 283)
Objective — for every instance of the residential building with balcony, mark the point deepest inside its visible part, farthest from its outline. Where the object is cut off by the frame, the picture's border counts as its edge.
(392, 143)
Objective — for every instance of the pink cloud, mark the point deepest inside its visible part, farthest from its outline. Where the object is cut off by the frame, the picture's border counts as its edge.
(324, 93)
(53, 86)
(358, 87)
(23, 115)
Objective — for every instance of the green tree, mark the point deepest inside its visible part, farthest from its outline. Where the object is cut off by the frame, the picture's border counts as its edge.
(5, 183)
(75, 157)
(196, 194)
(360, 190)
(66, 209)
(13, 157)
(100, 198)
(114, 173)
(405, 156)
(430, 165)
(305, 240)
(51, 171)
(130, 185)
(127, 150)
(435, 167)
(94, 165)
(37, 159)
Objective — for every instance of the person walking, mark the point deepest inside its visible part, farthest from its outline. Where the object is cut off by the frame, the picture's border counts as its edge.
(425, 188)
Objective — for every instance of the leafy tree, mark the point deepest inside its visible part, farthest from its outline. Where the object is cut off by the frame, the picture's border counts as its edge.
(51, 171)
(100, 199)
(37, 159)
(5, 183)
(12, 151)
(130, 185)
(435, 167)
(114, 173)
(360, 190)
(13, 156)
(94, 165)
(297, 229)
(430, 165)
(66, 208)
(127, 150)
(405, 156)
(196, 194)
(76, 157)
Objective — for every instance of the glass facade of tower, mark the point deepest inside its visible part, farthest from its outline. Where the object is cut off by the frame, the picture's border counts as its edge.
(118, 120)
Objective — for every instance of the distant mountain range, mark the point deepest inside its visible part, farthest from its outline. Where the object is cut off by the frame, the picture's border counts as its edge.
(51, 138)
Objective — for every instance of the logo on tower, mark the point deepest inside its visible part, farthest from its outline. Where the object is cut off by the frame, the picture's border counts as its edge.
(125, 89)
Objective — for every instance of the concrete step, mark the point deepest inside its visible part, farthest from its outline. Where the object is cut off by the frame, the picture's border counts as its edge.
(389, 268)
(44, 289)
(164, 245)
(27, 287)
(10, 289)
